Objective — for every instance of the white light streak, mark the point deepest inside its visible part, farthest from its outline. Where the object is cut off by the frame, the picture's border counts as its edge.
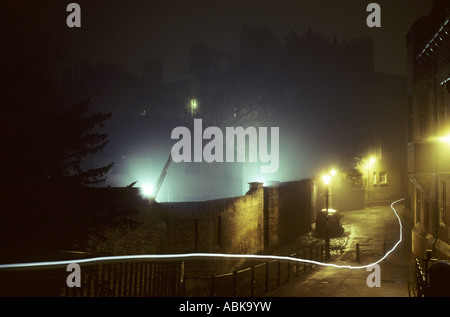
(206, 255)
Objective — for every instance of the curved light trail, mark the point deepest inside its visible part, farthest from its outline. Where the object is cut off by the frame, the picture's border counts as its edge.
(206, 255)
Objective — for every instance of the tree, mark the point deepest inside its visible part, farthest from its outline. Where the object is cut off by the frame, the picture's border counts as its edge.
(73, 137)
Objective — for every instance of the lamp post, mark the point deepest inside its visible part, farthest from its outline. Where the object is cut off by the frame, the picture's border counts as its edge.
(326, 180)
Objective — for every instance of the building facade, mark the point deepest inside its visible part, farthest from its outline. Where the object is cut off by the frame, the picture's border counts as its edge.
(428, 164)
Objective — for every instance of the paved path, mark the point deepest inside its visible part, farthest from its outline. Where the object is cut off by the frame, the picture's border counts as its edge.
(370, 227)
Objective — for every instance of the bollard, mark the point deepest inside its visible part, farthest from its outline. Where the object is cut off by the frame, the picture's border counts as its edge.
(357, 252)
(321, 253)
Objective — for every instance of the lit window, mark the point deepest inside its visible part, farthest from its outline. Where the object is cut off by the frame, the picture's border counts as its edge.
(375, 178)
(193, 106)
(383, 178)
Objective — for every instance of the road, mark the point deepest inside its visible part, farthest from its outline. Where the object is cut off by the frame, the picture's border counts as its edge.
(371, 228)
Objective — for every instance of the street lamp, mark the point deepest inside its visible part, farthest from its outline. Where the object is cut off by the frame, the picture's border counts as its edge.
(326, 180)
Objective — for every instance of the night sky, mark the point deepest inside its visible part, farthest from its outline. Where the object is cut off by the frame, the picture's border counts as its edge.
(130, 31)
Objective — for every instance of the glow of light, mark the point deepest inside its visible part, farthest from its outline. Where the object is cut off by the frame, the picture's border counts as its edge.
(207, 255)
(445, 139)
(330, 211)
(147, 190)
(333, 172)
(326, 179)
(372, 160)
(193, 105)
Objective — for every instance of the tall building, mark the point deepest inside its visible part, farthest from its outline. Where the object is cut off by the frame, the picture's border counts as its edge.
(428, 164)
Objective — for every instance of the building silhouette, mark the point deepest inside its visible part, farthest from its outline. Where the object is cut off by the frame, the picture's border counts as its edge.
(428, 165)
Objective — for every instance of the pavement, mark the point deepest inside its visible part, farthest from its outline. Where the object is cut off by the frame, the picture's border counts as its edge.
(376, 230)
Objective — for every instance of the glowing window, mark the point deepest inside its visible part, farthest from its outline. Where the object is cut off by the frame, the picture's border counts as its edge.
(193, 105)
(383, 178)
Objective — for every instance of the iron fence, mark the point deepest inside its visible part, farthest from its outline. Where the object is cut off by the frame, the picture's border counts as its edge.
(255, 280)
(142, 278)
(422, 287)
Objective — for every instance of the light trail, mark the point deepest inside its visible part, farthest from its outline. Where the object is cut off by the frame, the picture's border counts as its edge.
(206, 255)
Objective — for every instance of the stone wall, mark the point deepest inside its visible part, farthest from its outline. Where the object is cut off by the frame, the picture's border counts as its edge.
(227, 225)
(263, 217)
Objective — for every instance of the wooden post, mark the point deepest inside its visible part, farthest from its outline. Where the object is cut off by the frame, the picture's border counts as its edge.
(181, 282)
(213, 286)
(278, 273)
(288, 271)
(304, 263)
(252, 282)
(357, 252)
(234, 283)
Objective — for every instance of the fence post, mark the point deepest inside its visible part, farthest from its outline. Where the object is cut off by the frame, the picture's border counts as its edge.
(304, 263)
(278, 273)
(181, 282)
(288, 271)
(357, 252)
(267, 277)
(297, 264)
(252, 282)
(234, 283)
(213, 286)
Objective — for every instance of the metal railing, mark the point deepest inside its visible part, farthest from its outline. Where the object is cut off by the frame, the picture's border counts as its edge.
(255, 280)
(422, 279)
(140, 278)
(153, 278)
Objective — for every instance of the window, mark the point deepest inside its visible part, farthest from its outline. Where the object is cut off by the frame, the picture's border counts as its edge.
(383, 177)
(375, 178)
(193, 105)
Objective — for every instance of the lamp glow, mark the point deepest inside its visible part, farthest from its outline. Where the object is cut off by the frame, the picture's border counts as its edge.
(445, 139)
(326, 179)
(147, 190)
(193, 105)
